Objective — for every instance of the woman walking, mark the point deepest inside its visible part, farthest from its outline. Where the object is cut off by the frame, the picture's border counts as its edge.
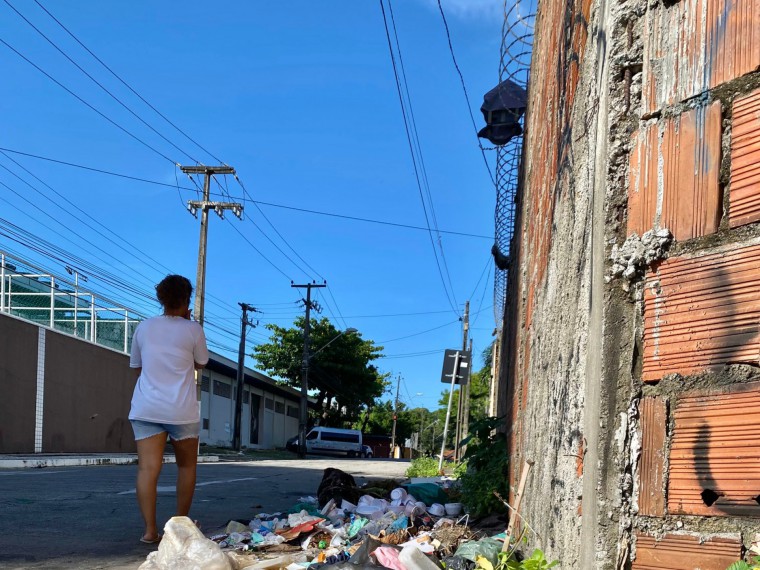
(166, 351)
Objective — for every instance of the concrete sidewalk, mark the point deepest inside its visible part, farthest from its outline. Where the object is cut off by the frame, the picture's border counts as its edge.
(78, 460)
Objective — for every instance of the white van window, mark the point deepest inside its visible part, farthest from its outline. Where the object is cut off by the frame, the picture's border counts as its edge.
(312, 435)
(337, 436)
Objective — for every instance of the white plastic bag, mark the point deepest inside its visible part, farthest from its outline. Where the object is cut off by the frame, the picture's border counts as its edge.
(184, 547)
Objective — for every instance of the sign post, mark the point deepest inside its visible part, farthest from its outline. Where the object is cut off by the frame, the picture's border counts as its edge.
(457, 358)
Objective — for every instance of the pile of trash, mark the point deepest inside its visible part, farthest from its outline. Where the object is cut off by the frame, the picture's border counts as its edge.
(410, 527)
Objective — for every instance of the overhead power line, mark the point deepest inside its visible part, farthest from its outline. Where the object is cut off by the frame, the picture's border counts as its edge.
(466, 95)
(418, 333)
(417, 168)
(369, 220)
(88, 105)
(93, 169)
(128, 86)
(98, 83)
(247, 199)
(156, 265)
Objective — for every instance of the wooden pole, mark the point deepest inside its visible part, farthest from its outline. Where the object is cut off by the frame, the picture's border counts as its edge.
(518, 499)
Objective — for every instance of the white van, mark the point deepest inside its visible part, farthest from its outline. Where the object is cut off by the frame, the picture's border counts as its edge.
(333, 440)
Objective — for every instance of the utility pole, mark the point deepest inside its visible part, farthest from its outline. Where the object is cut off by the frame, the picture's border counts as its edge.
(466, 410)
(204, 206)
(463, 388)
(303, 414)
(395, 418)
(495, 351)
(245, 323)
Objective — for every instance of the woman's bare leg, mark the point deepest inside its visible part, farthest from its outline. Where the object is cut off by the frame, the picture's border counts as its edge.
(150, 457)
(186, 452)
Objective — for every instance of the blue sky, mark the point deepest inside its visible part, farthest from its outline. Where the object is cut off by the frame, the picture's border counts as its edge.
(300, 98)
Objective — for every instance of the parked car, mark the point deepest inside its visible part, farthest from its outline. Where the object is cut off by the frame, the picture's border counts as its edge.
(366, 452)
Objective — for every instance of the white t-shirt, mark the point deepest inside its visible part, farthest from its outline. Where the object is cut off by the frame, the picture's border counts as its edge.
(166, 348)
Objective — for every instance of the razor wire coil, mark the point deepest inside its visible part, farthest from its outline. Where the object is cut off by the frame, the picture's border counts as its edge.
(516, 54)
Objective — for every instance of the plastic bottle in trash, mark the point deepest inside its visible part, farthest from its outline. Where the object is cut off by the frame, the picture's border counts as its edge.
(412, 558)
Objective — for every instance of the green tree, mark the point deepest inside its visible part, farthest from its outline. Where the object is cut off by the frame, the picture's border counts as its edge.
(378, 420)
(341, 373)
(480, 387)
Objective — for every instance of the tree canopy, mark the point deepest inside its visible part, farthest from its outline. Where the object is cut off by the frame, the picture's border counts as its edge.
(340, 368)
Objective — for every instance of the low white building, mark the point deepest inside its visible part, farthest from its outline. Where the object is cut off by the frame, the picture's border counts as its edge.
(269, 413)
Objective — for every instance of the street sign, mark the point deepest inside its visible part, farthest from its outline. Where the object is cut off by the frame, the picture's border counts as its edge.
(463, 374)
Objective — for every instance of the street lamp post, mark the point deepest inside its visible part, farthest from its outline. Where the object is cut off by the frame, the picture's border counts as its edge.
(431, 424)
(307, 356)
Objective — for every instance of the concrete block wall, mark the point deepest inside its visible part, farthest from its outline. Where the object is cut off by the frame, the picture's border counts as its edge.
(636, 394)
(61, 394)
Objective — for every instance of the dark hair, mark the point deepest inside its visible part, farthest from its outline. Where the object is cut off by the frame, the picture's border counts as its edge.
(174, 292)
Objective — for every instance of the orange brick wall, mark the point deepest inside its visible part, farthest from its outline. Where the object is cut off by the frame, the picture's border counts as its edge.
(715, 453)
(685, 552)
(689, 150)
(745, 160)
(702, 312)
(691, 46)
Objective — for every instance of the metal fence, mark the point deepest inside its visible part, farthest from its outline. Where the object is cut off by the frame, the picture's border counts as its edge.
(516, 53)
(39, 296)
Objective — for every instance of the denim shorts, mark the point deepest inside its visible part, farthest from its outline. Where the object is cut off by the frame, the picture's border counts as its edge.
(176, 432)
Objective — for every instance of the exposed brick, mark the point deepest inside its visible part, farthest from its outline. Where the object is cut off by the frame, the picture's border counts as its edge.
(682, 196)
(715, 453)
(686, 552)
(653, 413)
(702, 312)
(691, 46)
(745, 161)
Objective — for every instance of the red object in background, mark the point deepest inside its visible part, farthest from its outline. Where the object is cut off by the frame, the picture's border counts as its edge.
(380, 444)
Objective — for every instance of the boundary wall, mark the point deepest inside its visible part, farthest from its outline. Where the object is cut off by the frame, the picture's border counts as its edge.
(62, 394)
(630, 367)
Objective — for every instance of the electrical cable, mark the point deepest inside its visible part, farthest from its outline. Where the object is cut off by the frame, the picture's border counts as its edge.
(79, 67)
(369, 220)
(255, 202)
(54, 219)
(423, 168)
(92, 169)
(245, 192)
(52, 251)
(397, 314)
(337, 308)
(212, 299)
(487, 267)
(127, 85)
(413, 354)
(78, 98)
(47, 249)
(466, 95)
(270, 262)
(482, 297)
(381, 342)
(414, 161)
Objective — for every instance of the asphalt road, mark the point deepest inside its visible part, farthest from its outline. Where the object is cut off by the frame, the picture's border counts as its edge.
(87, 517)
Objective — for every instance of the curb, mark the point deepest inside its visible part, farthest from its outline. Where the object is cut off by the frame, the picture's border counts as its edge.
(31, 462)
